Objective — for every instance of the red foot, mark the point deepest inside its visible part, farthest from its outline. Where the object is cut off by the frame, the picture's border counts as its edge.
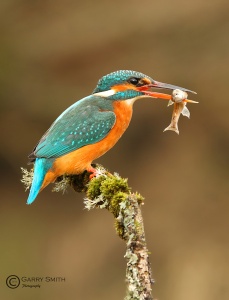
(93, 171)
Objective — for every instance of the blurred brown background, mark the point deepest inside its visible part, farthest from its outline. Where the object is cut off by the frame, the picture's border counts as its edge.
(52, 53)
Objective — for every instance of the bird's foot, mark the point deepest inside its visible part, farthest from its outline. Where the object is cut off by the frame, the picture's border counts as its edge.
(96, 172)
(93, 172)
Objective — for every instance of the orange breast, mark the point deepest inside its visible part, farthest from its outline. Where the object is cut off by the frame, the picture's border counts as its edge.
(79, 160)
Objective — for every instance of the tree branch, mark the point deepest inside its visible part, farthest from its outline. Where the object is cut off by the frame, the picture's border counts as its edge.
(113, 193)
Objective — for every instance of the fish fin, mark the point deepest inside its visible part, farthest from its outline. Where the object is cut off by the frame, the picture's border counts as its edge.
(185, 112)
(170, 103)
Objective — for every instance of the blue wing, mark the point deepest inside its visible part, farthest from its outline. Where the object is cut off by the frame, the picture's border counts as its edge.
(85, 122)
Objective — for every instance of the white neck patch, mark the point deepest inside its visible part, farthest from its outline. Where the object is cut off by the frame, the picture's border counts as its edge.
(112, 92)
(105, 93)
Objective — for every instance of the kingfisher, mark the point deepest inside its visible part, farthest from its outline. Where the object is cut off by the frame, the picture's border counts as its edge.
(90, 127)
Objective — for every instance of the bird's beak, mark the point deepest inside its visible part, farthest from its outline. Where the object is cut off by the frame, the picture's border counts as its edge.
(161, 85)
(146, 89)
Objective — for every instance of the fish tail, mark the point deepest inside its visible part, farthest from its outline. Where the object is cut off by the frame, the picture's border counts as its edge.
(173, 128)
(41, 167)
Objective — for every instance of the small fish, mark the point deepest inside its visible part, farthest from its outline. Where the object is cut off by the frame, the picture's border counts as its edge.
(179, 108)
(179, 99)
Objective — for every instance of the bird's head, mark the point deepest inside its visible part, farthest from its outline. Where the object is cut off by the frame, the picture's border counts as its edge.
(127, 85)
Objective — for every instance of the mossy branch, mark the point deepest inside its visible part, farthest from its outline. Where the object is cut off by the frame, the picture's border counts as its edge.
(113, 193)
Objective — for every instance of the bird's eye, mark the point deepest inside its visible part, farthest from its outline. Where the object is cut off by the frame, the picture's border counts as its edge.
(134, 80)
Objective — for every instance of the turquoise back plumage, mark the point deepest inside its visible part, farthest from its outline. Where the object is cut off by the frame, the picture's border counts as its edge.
(85, 122)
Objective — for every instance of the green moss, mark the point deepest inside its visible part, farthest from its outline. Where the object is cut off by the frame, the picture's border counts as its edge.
(114, 205)
(119, 228)
(94, 187)
(140, 198)
(112, 185)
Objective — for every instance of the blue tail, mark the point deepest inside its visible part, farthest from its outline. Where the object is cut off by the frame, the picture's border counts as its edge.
(41, 167)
